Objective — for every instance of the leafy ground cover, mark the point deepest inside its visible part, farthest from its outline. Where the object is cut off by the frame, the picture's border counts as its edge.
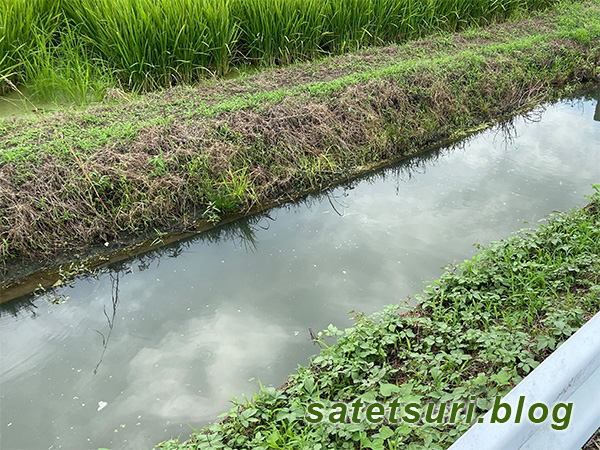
(164, 160)
(477, 331)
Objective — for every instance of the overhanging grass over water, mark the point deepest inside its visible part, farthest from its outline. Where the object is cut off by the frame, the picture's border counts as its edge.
(148, 43)
(71, 179)
(478, 330)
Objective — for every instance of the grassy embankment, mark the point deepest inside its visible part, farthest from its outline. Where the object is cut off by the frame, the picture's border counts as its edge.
(477, 331)
(161, 161)
(77, 49)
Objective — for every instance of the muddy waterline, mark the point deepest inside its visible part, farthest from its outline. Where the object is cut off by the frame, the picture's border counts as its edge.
(129, 357)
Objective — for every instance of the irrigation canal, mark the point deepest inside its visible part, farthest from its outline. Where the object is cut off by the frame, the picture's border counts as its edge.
(129, 357)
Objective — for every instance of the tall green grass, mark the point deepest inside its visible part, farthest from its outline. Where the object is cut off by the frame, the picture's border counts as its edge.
(145, 44)
(278, 31)
(63, 71)
(154, 43)
(43, 51)
(24, 26)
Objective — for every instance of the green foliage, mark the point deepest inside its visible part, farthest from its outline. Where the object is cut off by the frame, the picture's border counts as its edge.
(25, 25)
(479, 329)
(158, 165)
(42, 51)
(65, 72)
(231, 193)
(152, 43)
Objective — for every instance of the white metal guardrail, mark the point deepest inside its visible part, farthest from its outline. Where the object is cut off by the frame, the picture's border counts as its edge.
(571, 374)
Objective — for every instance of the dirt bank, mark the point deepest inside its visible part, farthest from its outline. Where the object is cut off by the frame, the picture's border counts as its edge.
(159, 163)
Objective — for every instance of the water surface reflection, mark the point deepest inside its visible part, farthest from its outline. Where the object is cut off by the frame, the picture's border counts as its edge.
(151, 344)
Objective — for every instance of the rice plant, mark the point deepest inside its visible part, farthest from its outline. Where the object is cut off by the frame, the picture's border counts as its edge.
(279, 31)
(24, 24)
(154, 43)
(145, 44)
(64, 72)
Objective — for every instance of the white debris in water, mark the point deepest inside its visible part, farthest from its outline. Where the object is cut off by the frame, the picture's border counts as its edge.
(101, 405)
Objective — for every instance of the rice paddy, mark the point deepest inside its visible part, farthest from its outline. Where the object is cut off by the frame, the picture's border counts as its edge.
(77, 49)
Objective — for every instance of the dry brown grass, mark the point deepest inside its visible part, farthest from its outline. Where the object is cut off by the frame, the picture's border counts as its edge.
(171, 170)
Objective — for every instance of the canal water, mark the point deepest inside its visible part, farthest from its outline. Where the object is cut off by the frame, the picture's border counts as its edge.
(130, 356)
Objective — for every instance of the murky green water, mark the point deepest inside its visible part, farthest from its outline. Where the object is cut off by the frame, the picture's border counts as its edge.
(18, 104)
(164, 340)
